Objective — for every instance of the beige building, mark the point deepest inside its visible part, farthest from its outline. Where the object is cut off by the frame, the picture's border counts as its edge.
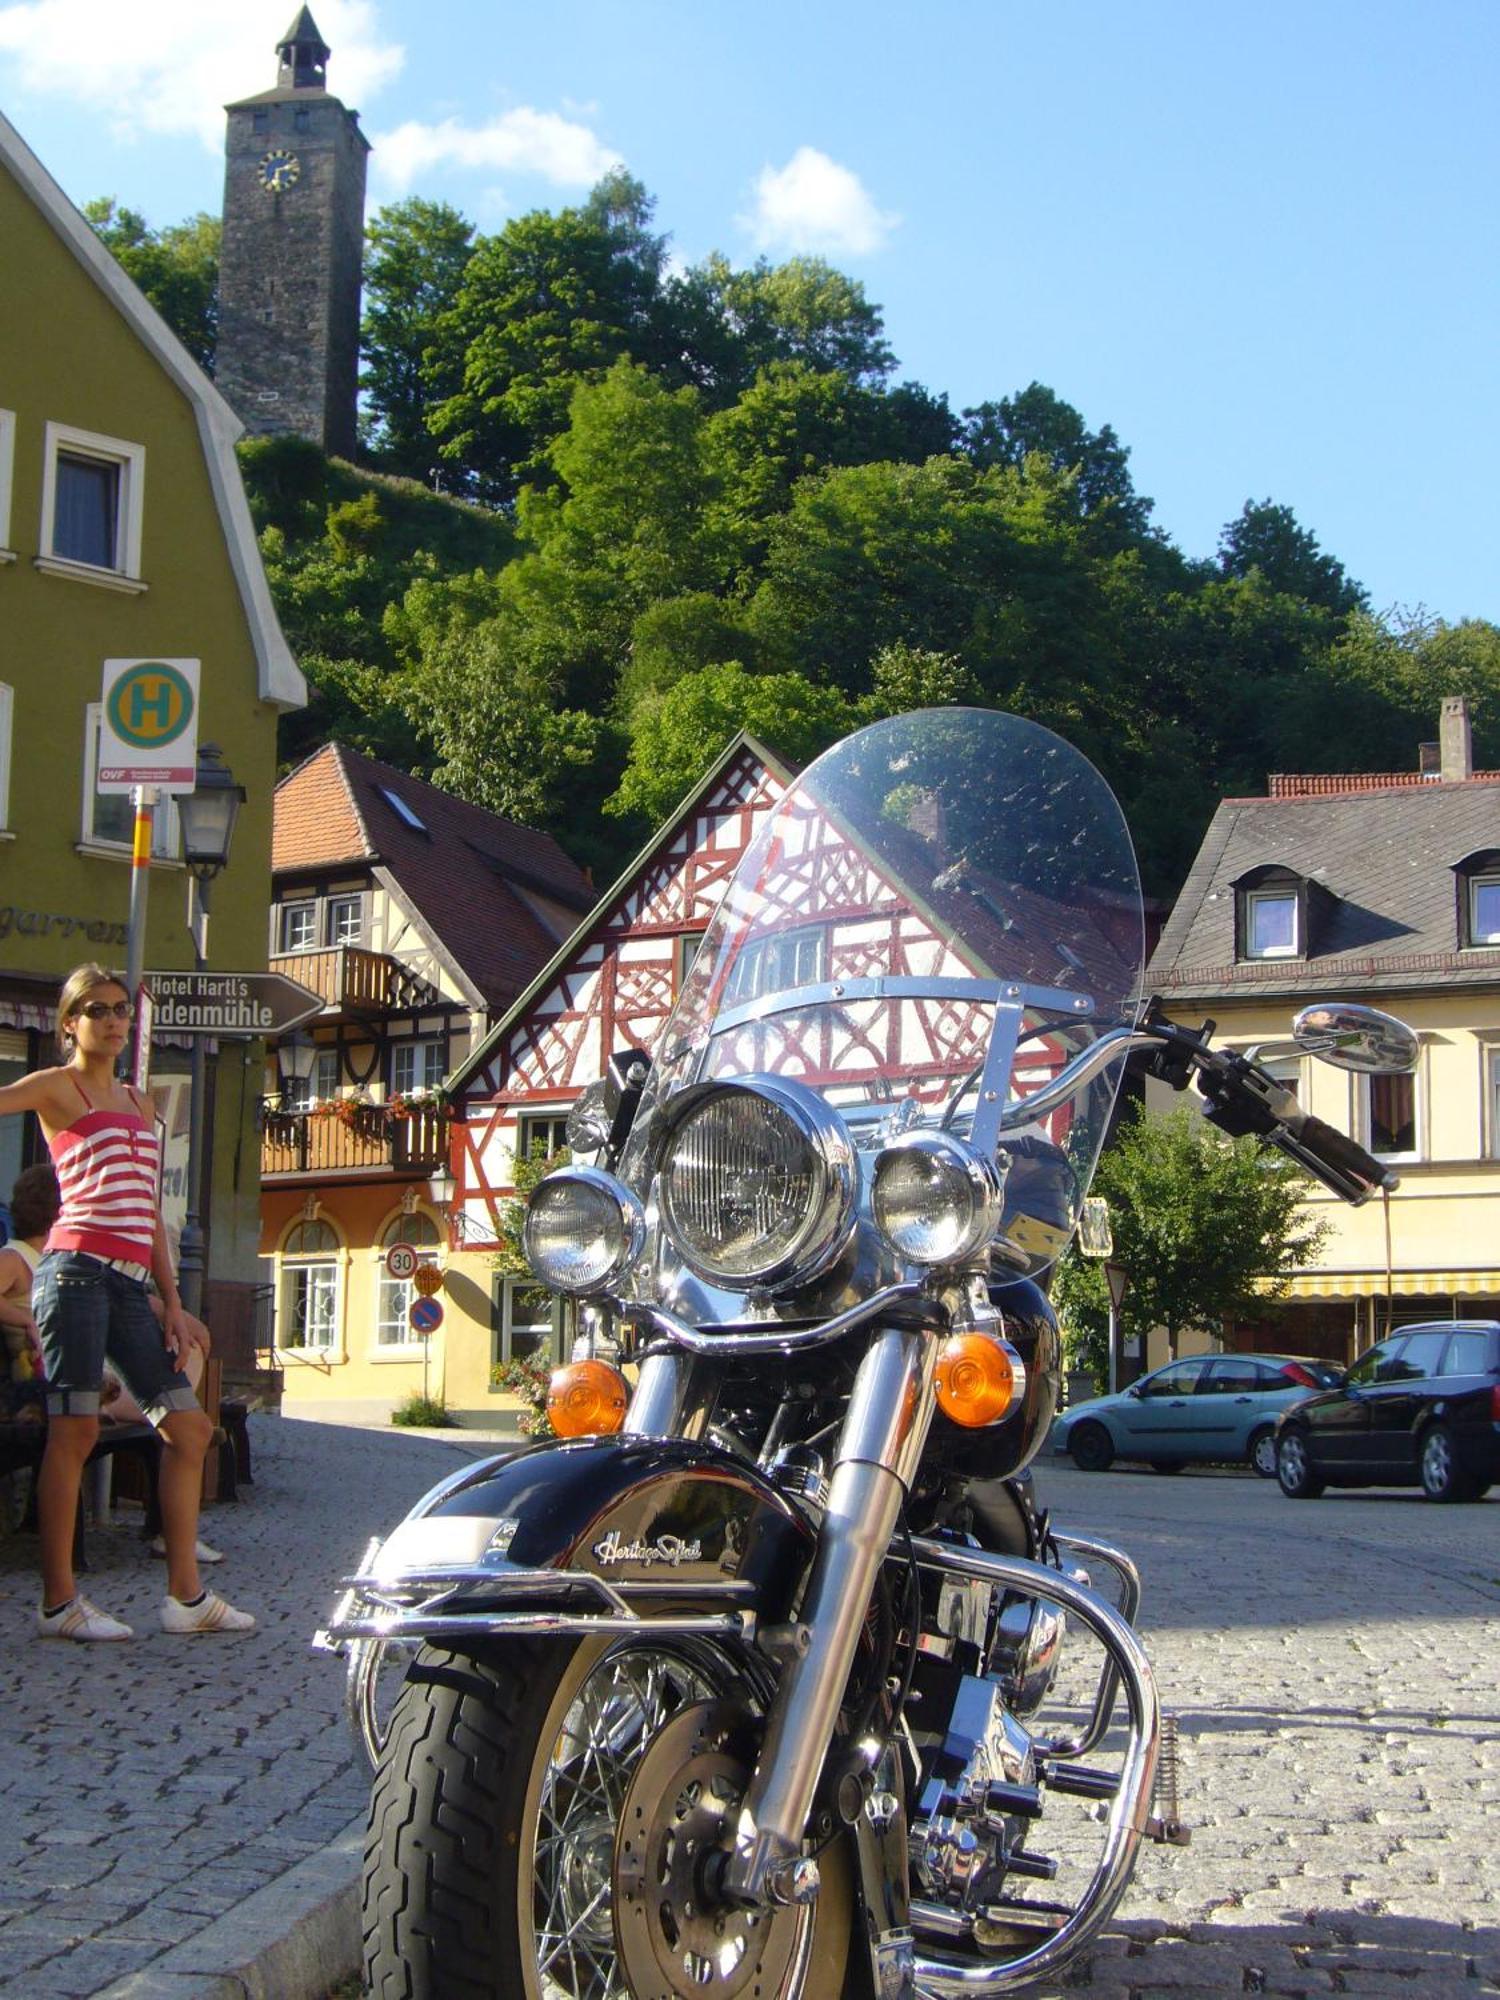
(1383, 888)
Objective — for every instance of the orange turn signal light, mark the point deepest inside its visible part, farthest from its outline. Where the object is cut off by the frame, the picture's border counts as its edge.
(977, 1379)
(586, 1399)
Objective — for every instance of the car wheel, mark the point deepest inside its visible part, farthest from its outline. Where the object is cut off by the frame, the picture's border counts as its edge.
(1092, 1447)
(1442, 1477)
(1294, 1468)
(1262, 1453)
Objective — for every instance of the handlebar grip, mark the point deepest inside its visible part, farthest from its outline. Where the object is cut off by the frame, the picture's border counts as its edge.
(1339, 1162)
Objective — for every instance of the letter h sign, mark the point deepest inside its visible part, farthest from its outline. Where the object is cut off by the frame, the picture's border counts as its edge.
(148, 725)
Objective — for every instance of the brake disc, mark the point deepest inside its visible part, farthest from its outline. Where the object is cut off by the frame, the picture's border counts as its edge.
(674, 1941)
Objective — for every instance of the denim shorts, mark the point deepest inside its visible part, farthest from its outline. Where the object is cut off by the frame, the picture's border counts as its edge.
(87, 1312)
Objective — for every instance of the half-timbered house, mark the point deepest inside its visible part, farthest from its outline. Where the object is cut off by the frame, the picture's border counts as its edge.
(610, 987)
(418, 919)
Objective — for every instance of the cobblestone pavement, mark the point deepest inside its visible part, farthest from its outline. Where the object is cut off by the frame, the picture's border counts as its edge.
(147, 1788)
(1335, 1666)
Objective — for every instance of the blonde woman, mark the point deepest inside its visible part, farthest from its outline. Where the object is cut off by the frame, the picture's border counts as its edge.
(90, 1302)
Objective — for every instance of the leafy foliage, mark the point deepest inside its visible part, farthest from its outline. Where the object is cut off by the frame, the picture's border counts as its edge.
(419, 1412)
(176, 267)
(1207, 1228)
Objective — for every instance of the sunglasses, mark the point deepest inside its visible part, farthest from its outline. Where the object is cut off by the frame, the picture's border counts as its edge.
(100, 1010)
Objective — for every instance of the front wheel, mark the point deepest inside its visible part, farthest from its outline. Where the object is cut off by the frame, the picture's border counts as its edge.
(1294, 1468)
(490, 1861)
(1091, 1446)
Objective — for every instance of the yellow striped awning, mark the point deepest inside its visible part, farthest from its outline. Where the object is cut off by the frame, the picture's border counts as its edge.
(1405, 1284)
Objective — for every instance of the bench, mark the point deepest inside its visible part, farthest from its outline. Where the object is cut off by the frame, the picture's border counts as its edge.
(22, 1443)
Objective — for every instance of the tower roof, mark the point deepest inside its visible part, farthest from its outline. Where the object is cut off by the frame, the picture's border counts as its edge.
(303, 55)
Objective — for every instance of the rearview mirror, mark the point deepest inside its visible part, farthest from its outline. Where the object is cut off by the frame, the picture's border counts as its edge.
(1353, 1037)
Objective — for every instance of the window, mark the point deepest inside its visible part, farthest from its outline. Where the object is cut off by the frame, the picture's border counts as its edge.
(299, 926)
(1421, 1355)
(687, 951)
(1270, 924)
(91, 505)
(1236, 1375)
(526, 1313)
(310, 1288)
(7, 708)
(1468, 1354)
(1390, 1115)
(7, 476)
(542, 1137)
(260, 122)
(396, 1295)
(776, 963)
(401, 809)
(109, 817)
(299, 1093)
(416, 1066)
(1181, 1379)
(345, 919)
(1370, 1366)
(1484, 909)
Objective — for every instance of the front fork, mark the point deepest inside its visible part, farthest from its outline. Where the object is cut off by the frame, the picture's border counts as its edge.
(880, 1445)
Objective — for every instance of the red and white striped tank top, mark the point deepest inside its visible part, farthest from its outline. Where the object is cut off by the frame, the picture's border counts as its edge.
(107, 1167)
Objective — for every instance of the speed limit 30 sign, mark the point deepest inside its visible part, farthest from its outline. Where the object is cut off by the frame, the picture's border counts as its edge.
(400, 1260)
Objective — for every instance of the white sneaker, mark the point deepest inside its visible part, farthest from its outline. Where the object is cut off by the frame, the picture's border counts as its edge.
(81, 1620)
(209, 1614)
(205, 1553)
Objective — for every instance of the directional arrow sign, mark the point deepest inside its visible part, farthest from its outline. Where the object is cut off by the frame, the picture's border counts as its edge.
(229, 1003)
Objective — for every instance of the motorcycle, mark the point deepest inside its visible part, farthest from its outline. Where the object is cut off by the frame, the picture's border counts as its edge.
(736, 1688)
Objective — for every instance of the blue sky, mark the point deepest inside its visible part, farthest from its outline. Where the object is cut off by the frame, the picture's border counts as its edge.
(1261, 243)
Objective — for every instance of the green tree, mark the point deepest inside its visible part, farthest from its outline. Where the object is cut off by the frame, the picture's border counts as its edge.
(549, 301)
(176, 267)
(416, 254)
(674, 738)
(1037, 420)
(1207, 1228)
(726, 325)
(1269, 538)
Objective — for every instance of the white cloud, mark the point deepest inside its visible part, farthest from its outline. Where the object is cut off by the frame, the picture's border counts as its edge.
(520, 141)
(169, 66)
(813, 204)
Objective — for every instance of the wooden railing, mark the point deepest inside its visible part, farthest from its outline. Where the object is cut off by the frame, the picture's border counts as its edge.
(356, 981)
(354, 1139)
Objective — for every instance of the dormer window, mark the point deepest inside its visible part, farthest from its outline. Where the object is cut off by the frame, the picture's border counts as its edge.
(1270, 924)
(1270, 914)
(1477, 879)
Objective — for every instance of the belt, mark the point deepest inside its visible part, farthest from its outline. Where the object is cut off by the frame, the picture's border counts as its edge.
(140, 1272)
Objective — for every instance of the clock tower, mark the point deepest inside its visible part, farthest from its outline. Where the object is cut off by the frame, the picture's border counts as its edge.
(289, 271)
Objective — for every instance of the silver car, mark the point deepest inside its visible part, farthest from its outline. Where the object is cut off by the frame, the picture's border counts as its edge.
(1215, 1407)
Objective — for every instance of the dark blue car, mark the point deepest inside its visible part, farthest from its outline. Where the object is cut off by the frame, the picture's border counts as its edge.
(1420, 1409)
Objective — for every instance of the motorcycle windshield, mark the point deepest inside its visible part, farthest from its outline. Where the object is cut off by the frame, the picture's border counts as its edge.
(919, 876)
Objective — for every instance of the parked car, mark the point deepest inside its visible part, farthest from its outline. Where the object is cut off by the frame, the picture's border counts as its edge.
(1420, 1409)
(1213, 1407)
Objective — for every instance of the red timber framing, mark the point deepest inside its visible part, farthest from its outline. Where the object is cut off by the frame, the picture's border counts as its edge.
(611, 986)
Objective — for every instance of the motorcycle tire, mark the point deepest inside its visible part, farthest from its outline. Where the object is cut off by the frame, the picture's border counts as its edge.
(457, 1905)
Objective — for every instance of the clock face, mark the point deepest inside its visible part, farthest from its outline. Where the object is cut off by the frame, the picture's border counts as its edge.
(279, 170)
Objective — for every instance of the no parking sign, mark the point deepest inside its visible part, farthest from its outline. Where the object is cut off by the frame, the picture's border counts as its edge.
(426, 1316)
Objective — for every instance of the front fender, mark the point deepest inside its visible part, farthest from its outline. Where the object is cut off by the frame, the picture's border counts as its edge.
(667, 1521)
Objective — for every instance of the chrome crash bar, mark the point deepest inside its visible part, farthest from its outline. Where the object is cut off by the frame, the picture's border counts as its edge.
(1131, 1806)
(778, 1340)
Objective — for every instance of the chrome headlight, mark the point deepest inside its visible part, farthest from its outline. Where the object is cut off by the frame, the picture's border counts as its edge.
(936, 1200)
(757, 1186)
(583, 1228)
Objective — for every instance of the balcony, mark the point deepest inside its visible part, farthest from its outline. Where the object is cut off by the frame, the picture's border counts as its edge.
(353, 1142)
(350, 980)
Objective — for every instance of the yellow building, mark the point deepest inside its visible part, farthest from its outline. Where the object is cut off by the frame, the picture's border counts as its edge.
(124, 534)
(419, 919)
(1382, 888)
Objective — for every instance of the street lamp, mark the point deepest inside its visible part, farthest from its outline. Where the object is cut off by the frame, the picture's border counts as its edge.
(294, 1062)
(207, 815)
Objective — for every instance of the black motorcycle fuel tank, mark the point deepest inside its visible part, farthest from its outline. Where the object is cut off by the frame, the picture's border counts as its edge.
(645, 1514)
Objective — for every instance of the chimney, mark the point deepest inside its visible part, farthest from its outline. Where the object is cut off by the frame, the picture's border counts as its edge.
(1458, 745)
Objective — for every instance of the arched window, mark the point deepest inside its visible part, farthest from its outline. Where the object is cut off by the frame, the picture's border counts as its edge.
(1477, 878)
(1270, 910)
(394, 1296)
(310, 1288)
